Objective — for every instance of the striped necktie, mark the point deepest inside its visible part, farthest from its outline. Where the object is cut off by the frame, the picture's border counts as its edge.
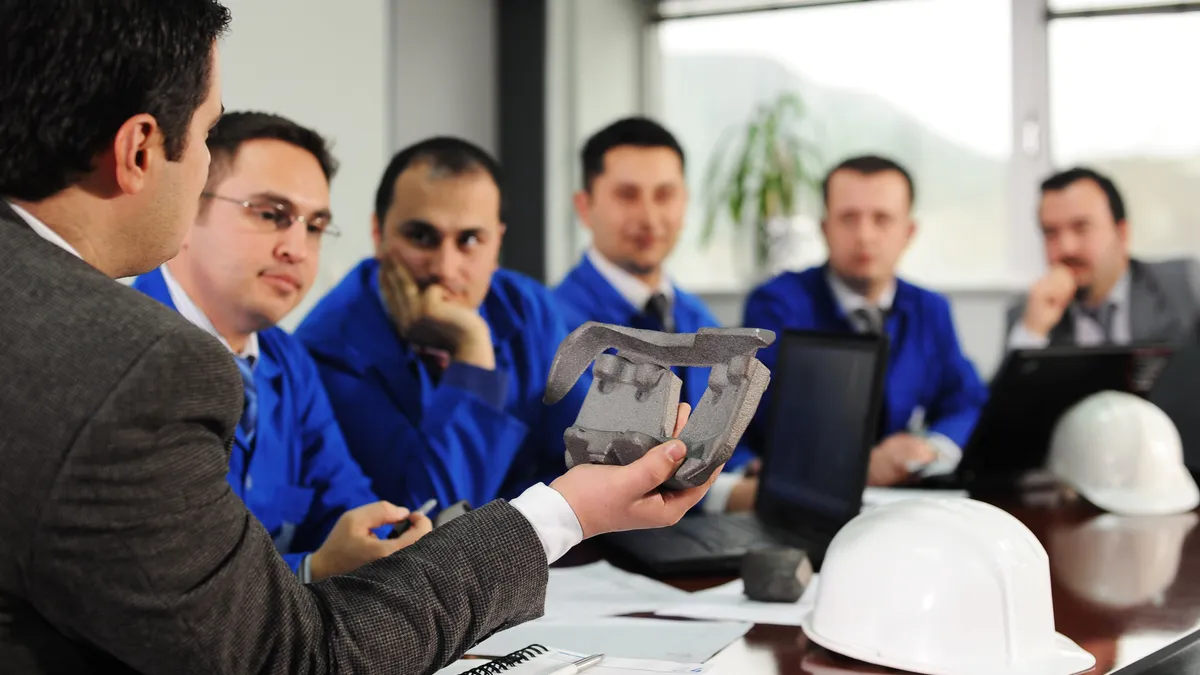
(249, 421)
(869, 320)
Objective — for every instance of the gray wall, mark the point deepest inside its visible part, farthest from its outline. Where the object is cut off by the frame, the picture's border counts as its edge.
(443, 70)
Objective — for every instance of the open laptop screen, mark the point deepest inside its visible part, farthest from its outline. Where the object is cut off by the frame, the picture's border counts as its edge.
(823, 422)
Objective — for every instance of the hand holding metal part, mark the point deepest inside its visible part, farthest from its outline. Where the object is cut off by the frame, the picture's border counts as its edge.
(634, 397)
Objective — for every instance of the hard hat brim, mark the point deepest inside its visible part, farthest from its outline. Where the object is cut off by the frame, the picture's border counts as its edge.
(1065, 657)
(1180, 495)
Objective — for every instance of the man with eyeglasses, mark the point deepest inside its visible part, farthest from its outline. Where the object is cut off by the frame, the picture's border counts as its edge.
(247, 261)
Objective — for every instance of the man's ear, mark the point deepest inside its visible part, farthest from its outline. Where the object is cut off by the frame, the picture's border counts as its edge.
(137, 150)
(376, 236)
(583, 203)
(1123, 232)
(912, 233)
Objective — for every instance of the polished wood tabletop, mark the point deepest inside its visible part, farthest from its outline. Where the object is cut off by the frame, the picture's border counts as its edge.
(1123, 587)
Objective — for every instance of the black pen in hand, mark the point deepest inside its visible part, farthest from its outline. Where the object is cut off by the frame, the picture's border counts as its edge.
(402, 526)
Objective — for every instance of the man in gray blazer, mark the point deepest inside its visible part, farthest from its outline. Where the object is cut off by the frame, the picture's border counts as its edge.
(1094, 292)
(123, 547)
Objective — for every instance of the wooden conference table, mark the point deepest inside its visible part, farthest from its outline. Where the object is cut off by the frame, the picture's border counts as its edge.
(1122, 588)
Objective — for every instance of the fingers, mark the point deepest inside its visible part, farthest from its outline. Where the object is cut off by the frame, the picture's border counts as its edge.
(681, 419)
(686, 499)
(420, 525)
(655, 467)
(376, 515)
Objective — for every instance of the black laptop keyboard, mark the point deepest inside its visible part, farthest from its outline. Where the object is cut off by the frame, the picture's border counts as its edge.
(729, 535)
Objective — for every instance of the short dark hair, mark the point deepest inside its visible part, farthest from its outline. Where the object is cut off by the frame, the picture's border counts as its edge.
(76, 70)
(236, 128)
(447, 155)
(637, 131)
(1064, 179)
(869, 165)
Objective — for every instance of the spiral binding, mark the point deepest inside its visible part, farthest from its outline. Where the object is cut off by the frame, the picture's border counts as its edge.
(503, 663)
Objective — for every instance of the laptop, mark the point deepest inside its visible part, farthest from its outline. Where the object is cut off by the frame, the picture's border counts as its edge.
(1030, 392)
(1177, 392)
(827, 395)
(1177, 658)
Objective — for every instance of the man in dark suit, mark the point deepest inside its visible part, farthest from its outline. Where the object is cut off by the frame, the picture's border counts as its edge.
(1095, 292)
(124, 548)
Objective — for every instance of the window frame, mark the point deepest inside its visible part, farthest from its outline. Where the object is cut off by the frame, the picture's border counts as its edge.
(1031, 159)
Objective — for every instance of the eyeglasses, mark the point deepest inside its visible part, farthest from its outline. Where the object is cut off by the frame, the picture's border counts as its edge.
(281, 216)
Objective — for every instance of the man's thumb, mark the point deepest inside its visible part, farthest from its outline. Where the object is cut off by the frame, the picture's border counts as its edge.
(658, 465)
(381, 513)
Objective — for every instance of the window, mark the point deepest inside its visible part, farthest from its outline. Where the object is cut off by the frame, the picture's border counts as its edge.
(928, 82)
(1123, 100)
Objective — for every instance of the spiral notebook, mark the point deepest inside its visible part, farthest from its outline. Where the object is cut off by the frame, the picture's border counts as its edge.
(540, 660)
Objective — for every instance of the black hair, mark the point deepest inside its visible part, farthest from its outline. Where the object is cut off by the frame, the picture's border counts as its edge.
(869, 165)
(637, 131)
(236, 128)
(1063, 179)
(445, 155)
(76, 70)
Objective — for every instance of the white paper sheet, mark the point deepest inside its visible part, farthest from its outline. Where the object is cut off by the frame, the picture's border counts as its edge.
(620, 637)
(728, 602)
(599, 589)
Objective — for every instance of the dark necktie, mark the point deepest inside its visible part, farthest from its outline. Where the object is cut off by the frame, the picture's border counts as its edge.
(868, 320)
(249, 421)
(436, 360)
(659, 309)
(1103, 316)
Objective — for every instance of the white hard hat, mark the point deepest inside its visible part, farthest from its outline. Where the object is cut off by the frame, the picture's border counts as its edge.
(1119, 562)
(940, 587)
(1123, 454)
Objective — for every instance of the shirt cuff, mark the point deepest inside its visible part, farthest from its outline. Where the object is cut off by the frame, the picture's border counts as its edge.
(718, 495)
(948, 456)
(552, 518)
(1023, 338)
(489, 385)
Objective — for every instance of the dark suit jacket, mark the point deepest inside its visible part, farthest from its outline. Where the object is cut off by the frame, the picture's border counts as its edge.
(1164, 305)
(122, 547)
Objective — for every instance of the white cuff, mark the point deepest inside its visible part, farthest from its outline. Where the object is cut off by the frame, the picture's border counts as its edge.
(552, 518)
(948, 456)
(718, 495)
(1023, 338)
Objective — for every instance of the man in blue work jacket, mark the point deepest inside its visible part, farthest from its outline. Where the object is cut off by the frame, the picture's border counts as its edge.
(435, 359)
(933, 394)
(633, 201)
(247, 261)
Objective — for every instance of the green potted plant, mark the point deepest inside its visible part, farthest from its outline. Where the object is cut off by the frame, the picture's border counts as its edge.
(760, 174)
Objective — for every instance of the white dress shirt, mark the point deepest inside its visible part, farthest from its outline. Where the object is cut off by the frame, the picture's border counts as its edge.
(189, 310)
(1088, 331)
(638, 293)
(947, 451)
(547, 510)
(633, 289)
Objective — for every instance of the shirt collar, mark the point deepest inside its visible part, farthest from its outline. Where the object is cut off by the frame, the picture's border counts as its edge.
(634, 290)
(1118, 297)
(44, 230)
(849, 300)
(189, 310)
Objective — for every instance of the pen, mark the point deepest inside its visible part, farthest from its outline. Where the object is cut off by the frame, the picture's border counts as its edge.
(403, 526)
(916, 427)
(579, 666)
